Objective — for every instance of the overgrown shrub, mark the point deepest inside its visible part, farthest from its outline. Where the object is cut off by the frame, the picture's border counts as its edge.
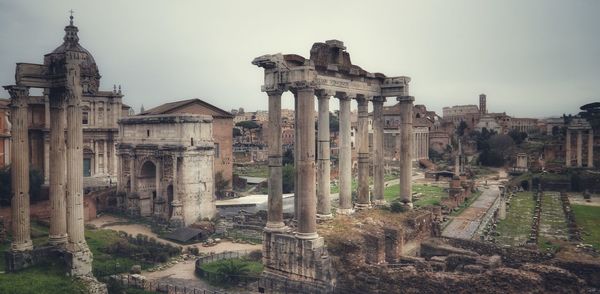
(397, 207)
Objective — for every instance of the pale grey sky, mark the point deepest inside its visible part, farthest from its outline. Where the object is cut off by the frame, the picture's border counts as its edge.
(532, 58)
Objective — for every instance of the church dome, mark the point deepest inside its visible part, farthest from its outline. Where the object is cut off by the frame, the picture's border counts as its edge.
(90, 75)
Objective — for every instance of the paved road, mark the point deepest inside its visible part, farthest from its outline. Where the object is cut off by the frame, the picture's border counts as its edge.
(465, 225)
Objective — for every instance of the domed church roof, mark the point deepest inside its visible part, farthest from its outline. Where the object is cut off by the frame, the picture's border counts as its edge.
(90, 76)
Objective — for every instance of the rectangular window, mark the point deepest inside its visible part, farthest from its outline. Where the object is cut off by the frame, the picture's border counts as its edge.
(217, 150)
(84, 117)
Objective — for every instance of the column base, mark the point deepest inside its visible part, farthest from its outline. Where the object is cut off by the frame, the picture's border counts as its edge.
(79, 260)
(380, 202)
(324, 216)
(279, 227)
(307, 236)
(407, 205)
(362, 206)
(345, 211)
(18, 247)
(58, 240)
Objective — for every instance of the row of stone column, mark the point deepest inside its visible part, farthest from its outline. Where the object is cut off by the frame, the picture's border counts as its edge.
(421, 146)
(312, 195)
(66, 161)
(579, 147)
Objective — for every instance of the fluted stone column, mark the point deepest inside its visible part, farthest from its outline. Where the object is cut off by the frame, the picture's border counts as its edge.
(406, 142)
(323, 165)
(307, 220)
(75, 225)
(579, 147)
(275, 200)
(19, 169)
(590, 153)
(296, 185)
(363, 200)
(345, 158)
(58, 208)
(378, 151)
(568, 148)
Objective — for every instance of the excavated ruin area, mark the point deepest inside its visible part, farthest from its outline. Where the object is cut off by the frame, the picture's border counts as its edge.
(377, 251)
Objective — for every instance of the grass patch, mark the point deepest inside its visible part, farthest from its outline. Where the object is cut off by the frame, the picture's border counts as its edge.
(254, 267)
(553, 225)
(588, 219)
(431, 194)
(39, 279)
(257, 170)
(515, 229)
(228, 272)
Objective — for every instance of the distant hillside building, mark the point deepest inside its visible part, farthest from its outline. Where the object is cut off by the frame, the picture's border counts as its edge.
(470, 114)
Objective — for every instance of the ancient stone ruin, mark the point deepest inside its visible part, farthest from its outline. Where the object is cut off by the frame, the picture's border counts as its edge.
(301, 255)
(165, 168)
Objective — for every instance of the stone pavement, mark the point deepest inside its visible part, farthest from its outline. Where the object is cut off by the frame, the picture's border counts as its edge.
(464, 226)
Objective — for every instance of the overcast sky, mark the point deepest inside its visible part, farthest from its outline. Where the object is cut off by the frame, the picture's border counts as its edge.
(531, 58)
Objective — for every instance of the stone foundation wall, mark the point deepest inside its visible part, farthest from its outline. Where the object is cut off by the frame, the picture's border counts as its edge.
(304, 263)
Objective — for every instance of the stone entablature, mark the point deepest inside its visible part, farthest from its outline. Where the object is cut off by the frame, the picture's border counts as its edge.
(166, 164)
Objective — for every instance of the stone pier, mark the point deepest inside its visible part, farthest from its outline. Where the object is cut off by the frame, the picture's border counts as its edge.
(20, 169)
(58, 208)
(406, 142)
(363, 200)
(378, 151)
(323, 160)
(275, 200)
(345, 158)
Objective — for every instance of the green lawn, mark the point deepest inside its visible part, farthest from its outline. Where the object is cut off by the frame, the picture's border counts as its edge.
(553, 224)
(104, 263)
(588, 219)
(40, 280)
(260, 171)
(515, 229)
(431, 194)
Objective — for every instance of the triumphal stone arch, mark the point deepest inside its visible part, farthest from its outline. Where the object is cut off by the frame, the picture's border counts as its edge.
(67, 72)
(296, 257)
(166, 167)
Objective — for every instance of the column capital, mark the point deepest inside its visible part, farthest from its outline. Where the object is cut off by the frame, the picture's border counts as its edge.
(275, 92)
(345, 96)
(405, 99)
(18, 95)
(302, 86)
(379, 99)
(324, 94)
(361, 100)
